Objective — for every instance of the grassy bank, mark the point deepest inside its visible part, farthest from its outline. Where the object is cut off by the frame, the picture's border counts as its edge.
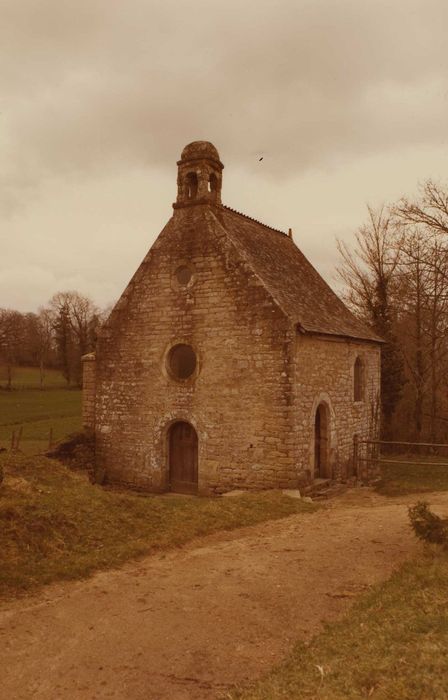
(391, 646)
(54, 524)
(413, 477)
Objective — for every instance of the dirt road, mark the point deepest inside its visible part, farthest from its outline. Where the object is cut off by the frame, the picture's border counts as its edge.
(192, 622)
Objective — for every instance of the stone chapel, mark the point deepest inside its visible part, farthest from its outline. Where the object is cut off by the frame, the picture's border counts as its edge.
(228, 362)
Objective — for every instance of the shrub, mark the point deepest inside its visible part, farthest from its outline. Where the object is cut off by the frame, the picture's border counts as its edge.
(427, 525)
(77, 451)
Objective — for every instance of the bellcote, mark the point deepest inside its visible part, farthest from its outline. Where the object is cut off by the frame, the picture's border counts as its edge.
(199, 175)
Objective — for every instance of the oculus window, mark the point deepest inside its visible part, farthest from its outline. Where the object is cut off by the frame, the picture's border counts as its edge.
(183, 275)
(181, 361)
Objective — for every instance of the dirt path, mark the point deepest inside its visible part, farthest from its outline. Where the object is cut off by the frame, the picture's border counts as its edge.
(192, 622)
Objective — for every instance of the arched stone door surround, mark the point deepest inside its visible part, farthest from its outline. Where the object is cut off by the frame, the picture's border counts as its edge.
(323, 438)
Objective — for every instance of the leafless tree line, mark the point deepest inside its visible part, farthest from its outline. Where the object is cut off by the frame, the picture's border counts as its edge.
(56, 336)
(396, 278)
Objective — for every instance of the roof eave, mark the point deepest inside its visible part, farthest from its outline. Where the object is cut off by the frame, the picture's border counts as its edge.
(340, 336)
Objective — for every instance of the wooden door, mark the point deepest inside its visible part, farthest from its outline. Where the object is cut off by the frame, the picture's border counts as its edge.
(321, 443)
(317, 446)
(183, 458)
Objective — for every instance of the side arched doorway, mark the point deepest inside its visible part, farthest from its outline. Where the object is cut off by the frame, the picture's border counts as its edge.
(183, 458)
(321, 442)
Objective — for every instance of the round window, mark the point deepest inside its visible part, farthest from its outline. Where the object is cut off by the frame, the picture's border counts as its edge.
(181, 361)
(183, 275)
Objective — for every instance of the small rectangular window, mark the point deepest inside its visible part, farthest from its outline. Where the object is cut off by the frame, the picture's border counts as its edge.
(358, 383)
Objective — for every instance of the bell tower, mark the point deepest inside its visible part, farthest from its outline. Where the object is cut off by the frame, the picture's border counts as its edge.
(199, 175)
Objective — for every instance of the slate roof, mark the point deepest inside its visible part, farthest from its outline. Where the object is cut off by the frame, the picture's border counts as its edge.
(290, 278)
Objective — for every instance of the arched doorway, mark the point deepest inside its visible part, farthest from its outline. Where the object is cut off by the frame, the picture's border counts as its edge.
(183, 458)
(321, 442)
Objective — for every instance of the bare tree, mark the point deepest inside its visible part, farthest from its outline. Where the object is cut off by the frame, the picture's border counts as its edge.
(437, 328)
(429, 211)
(11, 333)
(413, 281)
(424, 223)
(75, 320)
(369, 272)
(44, 339)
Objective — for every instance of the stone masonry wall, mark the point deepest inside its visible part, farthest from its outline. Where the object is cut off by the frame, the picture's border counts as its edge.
(88, 390)
(241, 399)
(325, 373)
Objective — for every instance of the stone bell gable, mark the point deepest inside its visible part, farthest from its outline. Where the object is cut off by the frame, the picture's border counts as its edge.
(199, 179)
(209, 367)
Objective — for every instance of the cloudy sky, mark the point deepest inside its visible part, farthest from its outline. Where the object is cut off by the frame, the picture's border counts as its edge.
(346, 100)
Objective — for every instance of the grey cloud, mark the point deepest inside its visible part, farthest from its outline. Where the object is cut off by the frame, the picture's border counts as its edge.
(97, 99)
(97, 84)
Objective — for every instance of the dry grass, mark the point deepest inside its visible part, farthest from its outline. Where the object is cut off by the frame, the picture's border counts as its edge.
(391, 646)
(55, 525)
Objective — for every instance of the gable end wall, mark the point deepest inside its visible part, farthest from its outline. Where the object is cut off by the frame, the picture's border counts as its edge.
(241, 401)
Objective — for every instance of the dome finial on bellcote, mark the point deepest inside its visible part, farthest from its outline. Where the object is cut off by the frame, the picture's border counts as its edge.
(199, 178)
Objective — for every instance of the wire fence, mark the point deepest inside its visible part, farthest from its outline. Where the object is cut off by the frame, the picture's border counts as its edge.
(370, 455)
(19, 441)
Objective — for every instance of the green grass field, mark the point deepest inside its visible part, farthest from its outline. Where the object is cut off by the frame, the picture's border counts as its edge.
(36, 412)
(413, 477)
(54, 524)
(29, 378)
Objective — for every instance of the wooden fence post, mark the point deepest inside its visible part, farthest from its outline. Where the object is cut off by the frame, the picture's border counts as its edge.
(19, 437)
(13, 440)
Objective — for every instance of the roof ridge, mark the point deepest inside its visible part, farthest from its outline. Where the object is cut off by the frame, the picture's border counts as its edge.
(251, 218)
(292, 281)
